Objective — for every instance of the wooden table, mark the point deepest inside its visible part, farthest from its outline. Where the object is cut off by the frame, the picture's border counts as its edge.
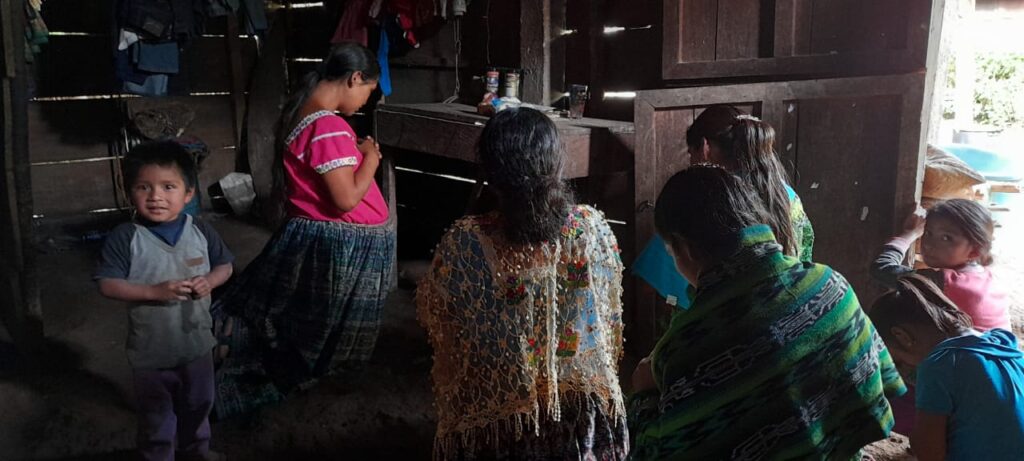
(599, 150)
(593, 146)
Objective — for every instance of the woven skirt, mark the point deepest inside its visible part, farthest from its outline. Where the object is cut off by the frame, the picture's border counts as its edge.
(309, 305)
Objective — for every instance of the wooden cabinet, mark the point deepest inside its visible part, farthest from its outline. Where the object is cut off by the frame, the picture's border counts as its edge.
(787, 39)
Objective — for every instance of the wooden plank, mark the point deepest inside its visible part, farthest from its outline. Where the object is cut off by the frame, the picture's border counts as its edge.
(72, 130)
(849, 152)
(785, 118)
(22, 312)
(811, 39)
(267, 93)
(237, 76)
(212, 123)
(73, 189)
(543, 72)
(82, 65)
(829, 24)
(869, 25)
(218, 164)
(672, 153)
(738, 29)
(831, 65)
(452, 131)
(792, 27)
(1005, 188)
(418, 85)
(689, 30)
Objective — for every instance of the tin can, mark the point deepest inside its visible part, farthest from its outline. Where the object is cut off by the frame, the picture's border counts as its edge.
(491, 80)
(512, 84)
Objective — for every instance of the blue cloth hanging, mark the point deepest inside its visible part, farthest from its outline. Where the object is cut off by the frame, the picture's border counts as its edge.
(382, 58)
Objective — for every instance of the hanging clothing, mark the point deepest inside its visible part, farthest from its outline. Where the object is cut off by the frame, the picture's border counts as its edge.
(354, 23)
(526, 340)
(774, 360)
(36, 32)
(217, 8)
(153, 85)
(256, 16)
(157, 58)
(383, 48)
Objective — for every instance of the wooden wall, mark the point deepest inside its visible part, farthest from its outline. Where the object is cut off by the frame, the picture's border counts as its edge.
(628, 60)
(77, 108)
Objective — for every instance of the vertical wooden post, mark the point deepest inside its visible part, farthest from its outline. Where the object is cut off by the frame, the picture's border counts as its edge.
(966, 69)
(910, 178)
(18, 282)
(541, 55)
(234, 46)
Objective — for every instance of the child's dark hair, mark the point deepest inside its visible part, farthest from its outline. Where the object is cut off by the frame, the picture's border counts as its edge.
(523, 159)
(916, 300)
(340, 63)
(751, 144)
(708, 207)
(163, 153)
(973, 219)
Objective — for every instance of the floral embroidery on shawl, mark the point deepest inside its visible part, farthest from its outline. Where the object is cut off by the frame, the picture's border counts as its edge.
(577, 275)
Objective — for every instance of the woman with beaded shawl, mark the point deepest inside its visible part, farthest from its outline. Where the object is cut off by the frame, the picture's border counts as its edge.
(522, 307)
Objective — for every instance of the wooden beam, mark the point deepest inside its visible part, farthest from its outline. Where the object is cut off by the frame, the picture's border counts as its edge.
(910, 168)
(266, 96)
(541, 50)
(18, 281)
(234, 46)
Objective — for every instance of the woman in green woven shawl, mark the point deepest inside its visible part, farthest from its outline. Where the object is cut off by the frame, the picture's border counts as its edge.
(774, 360)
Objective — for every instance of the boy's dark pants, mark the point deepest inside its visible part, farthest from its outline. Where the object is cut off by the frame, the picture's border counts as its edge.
(175, 402)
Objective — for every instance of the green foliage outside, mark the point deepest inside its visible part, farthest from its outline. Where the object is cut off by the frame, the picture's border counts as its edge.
(998, 91)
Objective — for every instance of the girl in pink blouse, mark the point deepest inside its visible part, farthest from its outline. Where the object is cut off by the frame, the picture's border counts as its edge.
(310, 304)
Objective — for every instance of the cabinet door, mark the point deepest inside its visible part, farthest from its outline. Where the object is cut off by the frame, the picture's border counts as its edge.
(787, 39)
(853, 147)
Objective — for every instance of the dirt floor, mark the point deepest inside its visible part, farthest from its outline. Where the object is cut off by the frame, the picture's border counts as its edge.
(82, 409)
(78, 406)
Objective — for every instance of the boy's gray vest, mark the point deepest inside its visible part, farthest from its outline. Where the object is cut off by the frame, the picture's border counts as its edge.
(165, 335)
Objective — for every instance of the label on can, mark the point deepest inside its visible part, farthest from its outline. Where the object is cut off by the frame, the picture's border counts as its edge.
(512, 85)
(491, 82)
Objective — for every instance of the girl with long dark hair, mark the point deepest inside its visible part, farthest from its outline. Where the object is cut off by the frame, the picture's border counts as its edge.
(723, 135)
(310, 304)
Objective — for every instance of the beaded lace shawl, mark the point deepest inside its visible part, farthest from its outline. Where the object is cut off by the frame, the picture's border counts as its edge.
(521, 331)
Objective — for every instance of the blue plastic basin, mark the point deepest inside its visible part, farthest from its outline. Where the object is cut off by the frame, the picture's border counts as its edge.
(994, 166)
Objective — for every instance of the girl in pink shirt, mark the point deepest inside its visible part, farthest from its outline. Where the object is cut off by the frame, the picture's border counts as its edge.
(311, 303)
(956, 244)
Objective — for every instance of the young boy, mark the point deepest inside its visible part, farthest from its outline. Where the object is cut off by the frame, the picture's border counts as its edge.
(164, 264)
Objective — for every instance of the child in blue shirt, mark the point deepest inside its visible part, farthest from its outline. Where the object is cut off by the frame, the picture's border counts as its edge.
(970, 385)
(164, 264)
